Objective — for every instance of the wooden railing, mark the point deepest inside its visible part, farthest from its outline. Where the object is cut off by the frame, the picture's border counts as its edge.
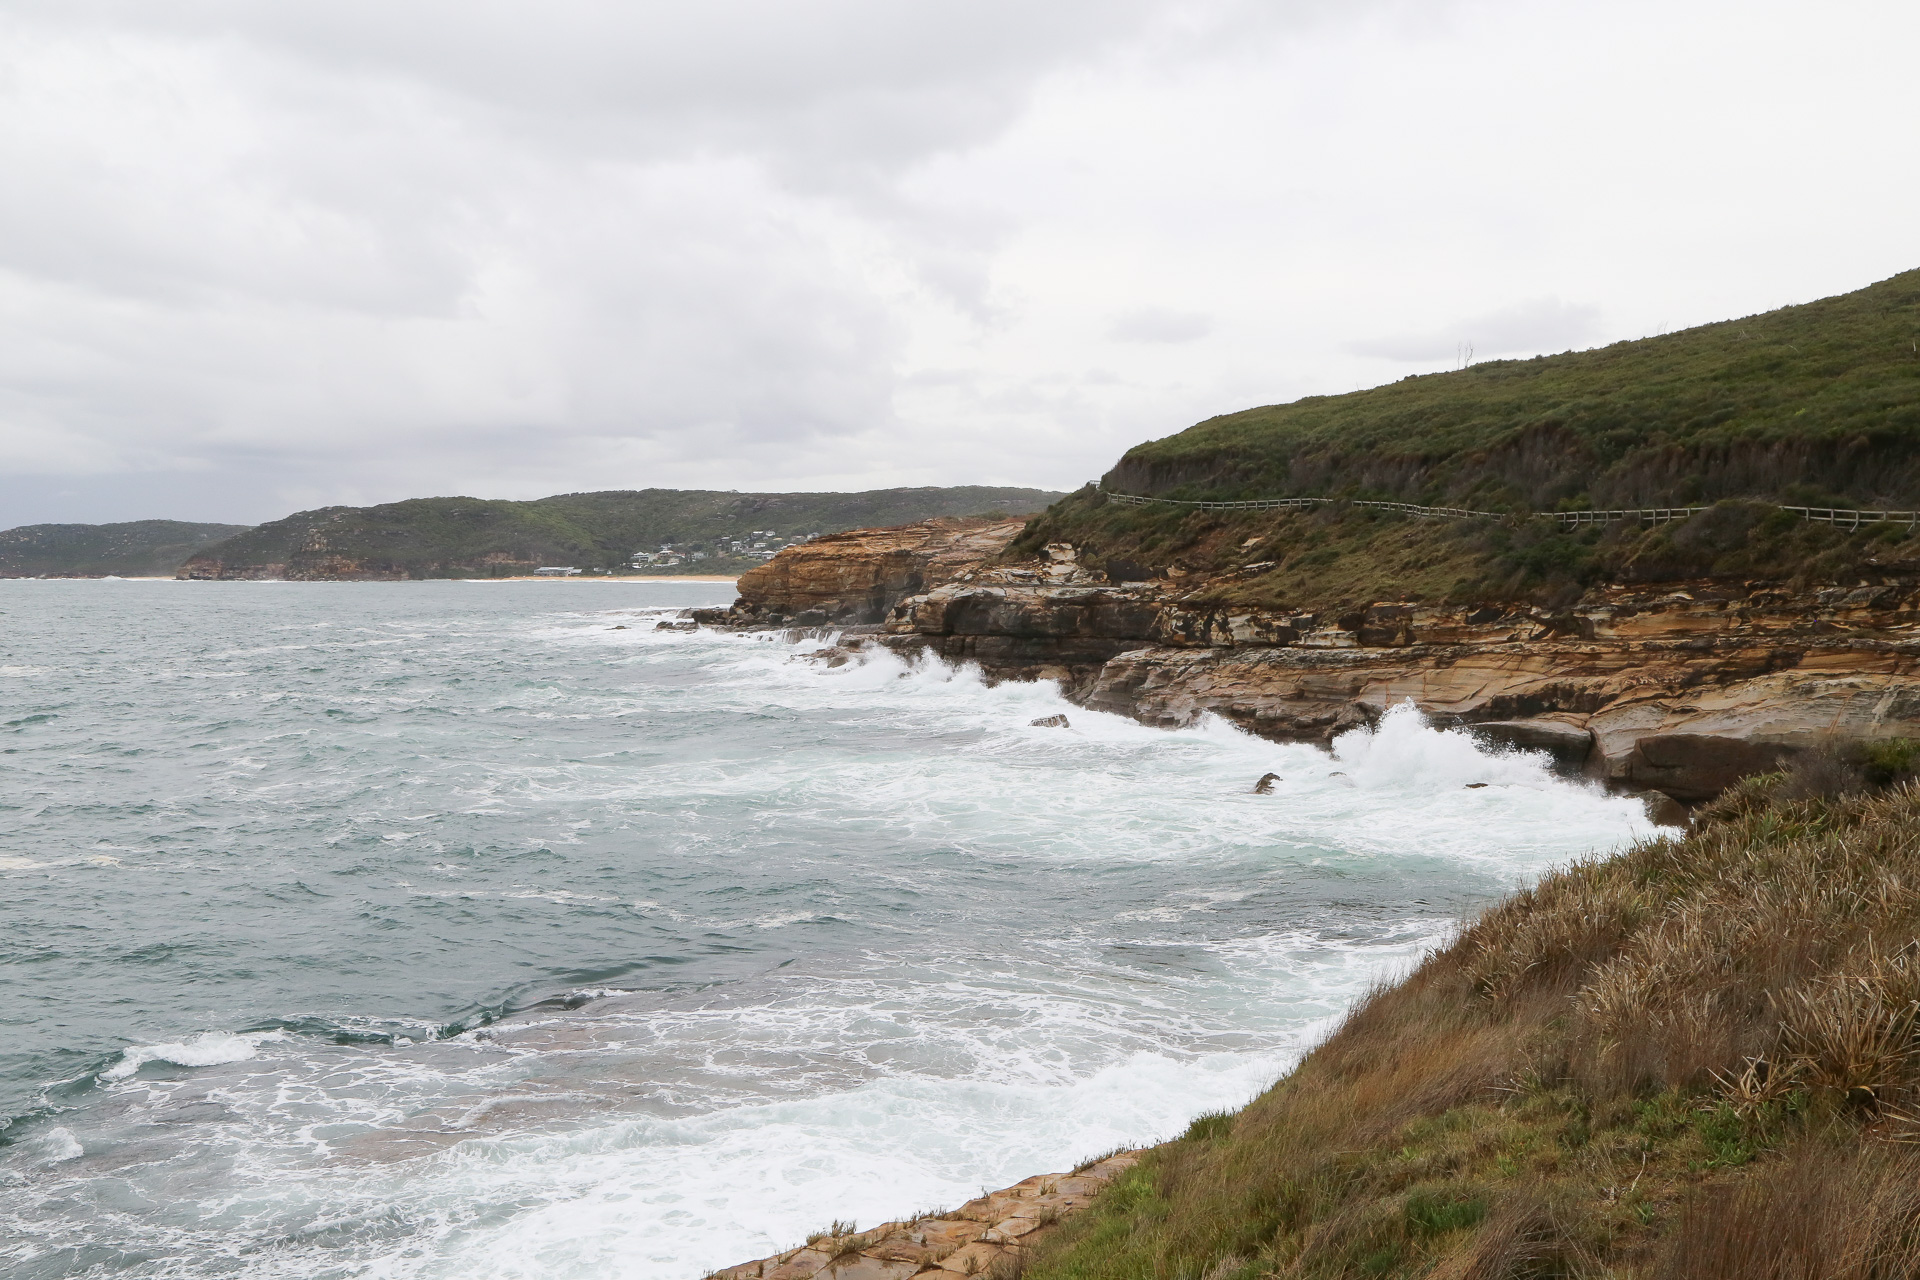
(1275, 504)
(1837, 516)
(1854, 519)
(1651, 515)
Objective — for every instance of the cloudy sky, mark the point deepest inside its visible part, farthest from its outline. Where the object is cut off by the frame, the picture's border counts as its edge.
(258, 256)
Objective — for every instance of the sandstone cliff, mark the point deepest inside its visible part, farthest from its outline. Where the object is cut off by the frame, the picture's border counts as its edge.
(858, 577)
(1682, 688)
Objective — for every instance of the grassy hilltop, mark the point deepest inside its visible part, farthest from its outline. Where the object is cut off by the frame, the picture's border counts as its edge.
(464, 537)
(1815, 405)
(134, 549)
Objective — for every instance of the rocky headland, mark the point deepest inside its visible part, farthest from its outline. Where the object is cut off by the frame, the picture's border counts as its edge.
(459, 537)
(1679, 687)
(1687, 566)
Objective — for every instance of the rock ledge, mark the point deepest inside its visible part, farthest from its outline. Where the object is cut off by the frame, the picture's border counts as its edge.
(987, 1236)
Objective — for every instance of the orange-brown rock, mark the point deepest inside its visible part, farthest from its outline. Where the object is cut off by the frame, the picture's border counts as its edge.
(857, 577)
(986, 1236)
(1682, 689)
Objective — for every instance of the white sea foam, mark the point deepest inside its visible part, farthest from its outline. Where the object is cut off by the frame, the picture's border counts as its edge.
(843, 941)
(55, 1146)
(208, 1049)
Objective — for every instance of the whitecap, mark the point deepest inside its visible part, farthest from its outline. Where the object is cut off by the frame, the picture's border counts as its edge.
(55, 1146)
(208, 1049)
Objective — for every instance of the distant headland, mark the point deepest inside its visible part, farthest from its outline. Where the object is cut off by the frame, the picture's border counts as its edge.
(619, 533)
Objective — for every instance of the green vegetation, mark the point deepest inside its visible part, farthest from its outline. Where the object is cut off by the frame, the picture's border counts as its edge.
(1699, 1058)
(465, 537)
(135, 549)
(1328, 557)
(1815, 405)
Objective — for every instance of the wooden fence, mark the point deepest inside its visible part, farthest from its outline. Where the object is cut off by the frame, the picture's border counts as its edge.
(1839, 517)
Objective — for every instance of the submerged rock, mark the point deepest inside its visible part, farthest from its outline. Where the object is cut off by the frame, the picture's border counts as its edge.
(1265, 785)
(1050, 722)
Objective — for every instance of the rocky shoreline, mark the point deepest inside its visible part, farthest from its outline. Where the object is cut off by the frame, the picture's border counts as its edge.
(987, 1236)
(1681, 688)
(1678, 690)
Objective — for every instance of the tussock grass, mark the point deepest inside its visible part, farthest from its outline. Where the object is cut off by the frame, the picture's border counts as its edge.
(1700, 1057)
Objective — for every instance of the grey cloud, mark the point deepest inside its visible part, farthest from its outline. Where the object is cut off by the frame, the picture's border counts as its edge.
(1525, 328)
(1156, 324)
(259, 255)
(873, 77)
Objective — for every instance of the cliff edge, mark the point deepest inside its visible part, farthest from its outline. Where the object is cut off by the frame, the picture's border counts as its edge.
(1678, 687)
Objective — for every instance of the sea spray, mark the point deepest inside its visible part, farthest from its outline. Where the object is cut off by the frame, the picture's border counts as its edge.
(449, 930)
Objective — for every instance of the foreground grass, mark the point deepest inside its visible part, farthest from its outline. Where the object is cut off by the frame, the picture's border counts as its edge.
(1697, 1058)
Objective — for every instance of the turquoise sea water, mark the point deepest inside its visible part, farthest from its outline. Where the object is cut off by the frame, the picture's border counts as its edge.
(482, 929)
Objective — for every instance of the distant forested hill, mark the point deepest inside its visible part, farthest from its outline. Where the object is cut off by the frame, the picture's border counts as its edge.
(135, 549)
(1816, 404)
(466, 537)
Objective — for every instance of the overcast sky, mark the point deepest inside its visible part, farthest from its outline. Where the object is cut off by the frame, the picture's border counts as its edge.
(259, 256)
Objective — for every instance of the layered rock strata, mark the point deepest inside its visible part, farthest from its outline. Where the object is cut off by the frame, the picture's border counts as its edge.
(985, 1237)
(1681, 689)
(857, 577)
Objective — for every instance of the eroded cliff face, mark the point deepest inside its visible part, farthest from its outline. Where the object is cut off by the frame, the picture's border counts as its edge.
(858, 577)
(1683, 689)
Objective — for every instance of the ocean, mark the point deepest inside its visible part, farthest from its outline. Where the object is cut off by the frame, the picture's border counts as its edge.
(488, 930)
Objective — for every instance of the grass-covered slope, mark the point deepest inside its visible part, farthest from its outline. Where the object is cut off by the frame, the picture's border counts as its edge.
(134, 549)
(1816, 405)
(440, 537)
(1334, 556)
(1699, 1058)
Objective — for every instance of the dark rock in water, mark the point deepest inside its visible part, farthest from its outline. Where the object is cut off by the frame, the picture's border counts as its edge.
(1475, 786)
(1665, 811)
(1265, 785)
(1568, 744)
(1050, 722)
(676, 626)
(621, 627)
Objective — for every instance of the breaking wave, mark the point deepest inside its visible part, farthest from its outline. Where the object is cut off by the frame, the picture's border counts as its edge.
(438, 933)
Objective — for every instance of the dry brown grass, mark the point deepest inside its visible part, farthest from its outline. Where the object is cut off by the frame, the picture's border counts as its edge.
(1627, 1070)
(1820, 1213)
